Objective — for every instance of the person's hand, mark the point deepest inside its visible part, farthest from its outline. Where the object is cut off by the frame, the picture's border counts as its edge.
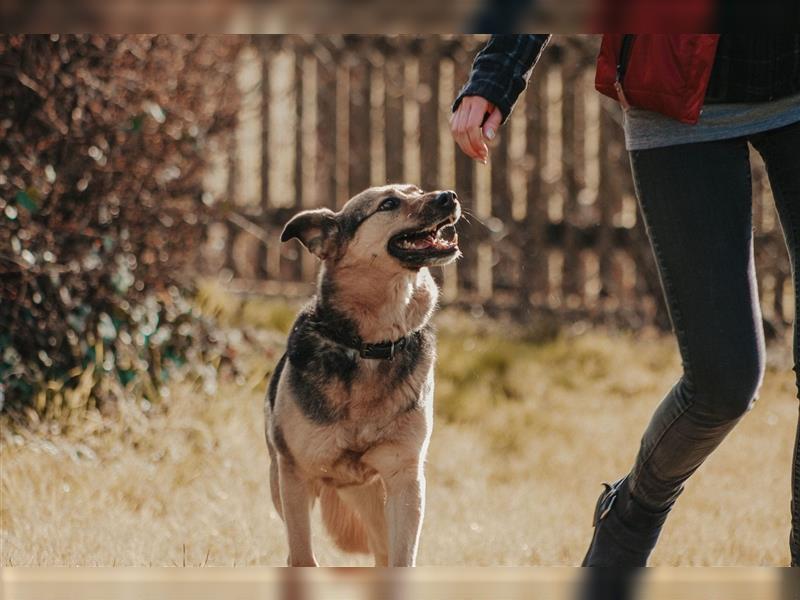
(468, 127)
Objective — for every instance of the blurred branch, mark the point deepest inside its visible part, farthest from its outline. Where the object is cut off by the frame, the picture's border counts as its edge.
(248, 226)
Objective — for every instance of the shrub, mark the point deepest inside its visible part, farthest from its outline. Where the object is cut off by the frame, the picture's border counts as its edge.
(104, 144)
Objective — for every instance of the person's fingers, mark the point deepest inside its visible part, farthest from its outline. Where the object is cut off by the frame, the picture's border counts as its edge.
(473, 132)
(465, 125)
(455, 118)
(459, 128)
(492, 124)
(455, 123)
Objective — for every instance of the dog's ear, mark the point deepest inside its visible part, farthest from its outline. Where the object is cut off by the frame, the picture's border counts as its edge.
(318, 230)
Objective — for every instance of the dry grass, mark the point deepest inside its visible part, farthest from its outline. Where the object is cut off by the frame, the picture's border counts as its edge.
(526, 432)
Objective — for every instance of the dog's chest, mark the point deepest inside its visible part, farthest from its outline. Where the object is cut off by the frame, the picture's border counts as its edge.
(335, 385)
(382, 392)
(377, 412)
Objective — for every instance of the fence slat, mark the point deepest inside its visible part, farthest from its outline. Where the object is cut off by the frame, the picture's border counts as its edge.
(609, 280)
(572, 275)
(231, 193)
(327, 59)
(359, 145)
(292, 264)
(394, 83)
(533, 277)
(465, 187)
(264, 48)
(429, 115)
(504, 250)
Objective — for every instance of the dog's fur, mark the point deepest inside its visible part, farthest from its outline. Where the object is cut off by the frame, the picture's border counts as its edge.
(349, 430)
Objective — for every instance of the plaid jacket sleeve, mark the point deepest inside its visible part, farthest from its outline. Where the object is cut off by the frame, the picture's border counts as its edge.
(502, 68)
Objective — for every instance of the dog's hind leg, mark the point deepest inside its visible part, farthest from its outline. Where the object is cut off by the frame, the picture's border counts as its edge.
(296, 502)
(369, 501)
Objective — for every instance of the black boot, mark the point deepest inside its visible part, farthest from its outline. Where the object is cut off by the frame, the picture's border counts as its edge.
(625, 532)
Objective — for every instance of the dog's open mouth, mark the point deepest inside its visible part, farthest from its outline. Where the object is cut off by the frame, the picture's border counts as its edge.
(430, 244)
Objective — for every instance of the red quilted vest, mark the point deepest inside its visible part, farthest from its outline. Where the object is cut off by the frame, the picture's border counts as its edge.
(665, 73)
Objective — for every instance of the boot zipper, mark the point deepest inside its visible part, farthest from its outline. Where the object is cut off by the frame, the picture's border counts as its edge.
(622, 66)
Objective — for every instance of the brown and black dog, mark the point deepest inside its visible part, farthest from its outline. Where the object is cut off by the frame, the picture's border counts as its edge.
(349, 408)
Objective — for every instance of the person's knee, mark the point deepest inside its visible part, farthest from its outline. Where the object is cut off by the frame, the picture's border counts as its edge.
(729, 387)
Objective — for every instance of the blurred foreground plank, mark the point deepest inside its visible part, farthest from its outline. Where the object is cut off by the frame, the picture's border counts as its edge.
(418, 584)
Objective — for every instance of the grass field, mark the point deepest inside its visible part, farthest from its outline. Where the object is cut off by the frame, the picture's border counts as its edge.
(527, 428)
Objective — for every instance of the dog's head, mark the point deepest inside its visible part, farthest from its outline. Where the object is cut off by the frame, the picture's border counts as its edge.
(397, 226)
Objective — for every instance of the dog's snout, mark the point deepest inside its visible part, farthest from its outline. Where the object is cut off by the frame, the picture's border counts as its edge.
(445, 199)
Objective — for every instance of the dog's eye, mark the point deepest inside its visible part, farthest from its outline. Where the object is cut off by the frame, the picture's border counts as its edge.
(389, 204)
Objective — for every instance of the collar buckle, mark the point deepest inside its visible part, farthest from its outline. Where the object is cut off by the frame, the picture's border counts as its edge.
(382, 350)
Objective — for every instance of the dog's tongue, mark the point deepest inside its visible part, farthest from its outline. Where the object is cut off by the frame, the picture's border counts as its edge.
(424, 242)
(443, 239)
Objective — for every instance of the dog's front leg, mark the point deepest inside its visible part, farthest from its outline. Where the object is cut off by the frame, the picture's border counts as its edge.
(295, 501)
(405, 506)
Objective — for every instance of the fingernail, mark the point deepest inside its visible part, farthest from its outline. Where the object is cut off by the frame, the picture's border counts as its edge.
(490, 133)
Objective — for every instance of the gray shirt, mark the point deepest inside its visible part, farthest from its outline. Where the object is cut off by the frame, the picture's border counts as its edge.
(645, 129)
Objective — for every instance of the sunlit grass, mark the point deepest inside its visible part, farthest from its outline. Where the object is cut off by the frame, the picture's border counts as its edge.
(244, 311)
(527, 427)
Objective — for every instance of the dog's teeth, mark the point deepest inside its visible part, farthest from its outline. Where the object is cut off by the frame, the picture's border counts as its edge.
(434, 238)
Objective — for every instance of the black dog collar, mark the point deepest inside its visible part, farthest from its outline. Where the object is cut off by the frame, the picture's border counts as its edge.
(379, 350)
(382, 350)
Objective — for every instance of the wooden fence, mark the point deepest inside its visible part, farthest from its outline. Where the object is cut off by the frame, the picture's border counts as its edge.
(554, 227)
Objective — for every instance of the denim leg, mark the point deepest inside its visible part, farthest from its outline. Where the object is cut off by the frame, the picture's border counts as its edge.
(696, 203)
(780, 149)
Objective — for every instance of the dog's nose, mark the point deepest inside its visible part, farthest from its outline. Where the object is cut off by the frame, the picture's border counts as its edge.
(445, 199)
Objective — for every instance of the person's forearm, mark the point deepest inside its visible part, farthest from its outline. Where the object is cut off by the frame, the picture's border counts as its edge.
(501, 69)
